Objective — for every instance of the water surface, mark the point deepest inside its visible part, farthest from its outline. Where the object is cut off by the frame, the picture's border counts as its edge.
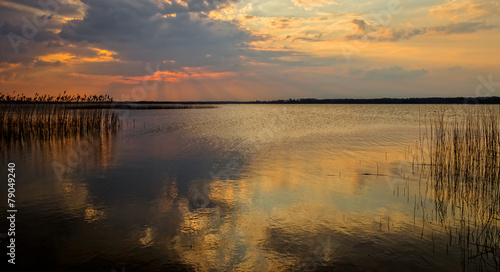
(235, 188)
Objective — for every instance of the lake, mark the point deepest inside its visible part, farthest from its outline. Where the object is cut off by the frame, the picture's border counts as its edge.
(236, 188)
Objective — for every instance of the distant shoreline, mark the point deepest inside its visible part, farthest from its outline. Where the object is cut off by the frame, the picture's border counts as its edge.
(426, 100)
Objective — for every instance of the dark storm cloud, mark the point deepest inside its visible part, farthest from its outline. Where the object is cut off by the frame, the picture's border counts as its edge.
(27, 28)
(31, 47)
(42, 35)
(64, 7)
(16, 47)
(44, 14)
(371, 32)
(138, 31)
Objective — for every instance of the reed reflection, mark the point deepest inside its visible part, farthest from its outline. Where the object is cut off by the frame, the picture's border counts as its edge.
(36, 123)
(222, 190)
(464, 181)
(300, 209)
(55, 196)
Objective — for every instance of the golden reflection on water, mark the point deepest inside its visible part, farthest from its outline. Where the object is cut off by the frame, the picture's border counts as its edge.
(168, 195)
(300, 193)
(147, 237)
(62, 160)
(320, 187)
(94, 151)
(92, 214)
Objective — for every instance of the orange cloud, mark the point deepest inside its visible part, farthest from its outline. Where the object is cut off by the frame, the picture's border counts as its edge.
(165, 76)
(459, 10)
(188, 73)
(58, 57)
(102, 56)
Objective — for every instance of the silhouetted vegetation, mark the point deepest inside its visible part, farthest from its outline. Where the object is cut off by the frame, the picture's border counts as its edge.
(27, 119)
(95, 102)
(64, 98)
(44, 122)
(20, 98)
(45, 117)
(465, 176)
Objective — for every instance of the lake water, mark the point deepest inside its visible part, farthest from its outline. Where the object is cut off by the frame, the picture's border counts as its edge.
(234, 188)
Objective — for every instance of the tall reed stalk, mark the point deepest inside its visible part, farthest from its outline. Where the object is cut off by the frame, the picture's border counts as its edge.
(24, 120)
(464, 150)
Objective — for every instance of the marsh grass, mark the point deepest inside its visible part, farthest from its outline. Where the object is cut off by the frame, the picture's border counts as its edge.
(25, 123)
(464, 153)
(20, 97)
(93, 102)
(26, 119)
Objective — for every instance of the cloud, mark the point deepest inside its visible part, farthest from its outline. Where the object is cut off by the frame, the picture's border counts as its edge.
(32, 30)
(42, 34)
(371, 32)
(462, 27)
(138, 30)
(461, 10)
(67, 8)
(393, 73)
(12, 38)
(218, 48)
(118, 39)
(283, 23)
(41, 63)
(310, 4)
(361, 25)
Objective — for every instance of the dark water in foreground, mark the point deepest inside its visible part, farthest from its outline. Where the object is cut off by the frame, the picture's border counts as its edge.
(236, 188)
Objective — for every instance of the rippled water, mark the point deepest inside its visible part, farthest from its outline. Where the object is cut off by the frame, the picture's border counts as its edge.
(235, 188)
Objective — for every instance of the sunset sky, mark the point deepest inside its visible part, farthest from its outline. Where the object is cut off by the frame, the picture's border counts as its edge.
(183, 50)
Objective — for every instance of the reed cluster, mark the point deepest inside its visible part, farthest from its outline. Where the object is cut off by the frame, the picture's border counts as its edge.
(51, 98)
(464, 152)
(38, 122)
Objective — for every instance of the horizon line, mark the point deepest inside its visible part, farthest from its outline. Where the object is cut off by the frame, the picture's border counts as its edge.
(380, 100)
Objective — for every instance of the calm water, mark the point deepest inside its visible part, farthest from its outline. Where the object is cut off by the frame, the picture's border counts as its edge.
(236, 188)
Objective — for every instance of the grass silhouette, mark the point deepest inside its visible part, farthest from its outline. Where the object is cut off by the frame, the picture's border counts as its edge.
(464, 153)
(26, 119)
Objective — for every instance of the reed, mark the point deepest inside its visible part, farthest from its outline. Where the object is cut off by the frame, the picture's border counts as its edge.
(464, 150)
(54, 98)
(24, 120)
